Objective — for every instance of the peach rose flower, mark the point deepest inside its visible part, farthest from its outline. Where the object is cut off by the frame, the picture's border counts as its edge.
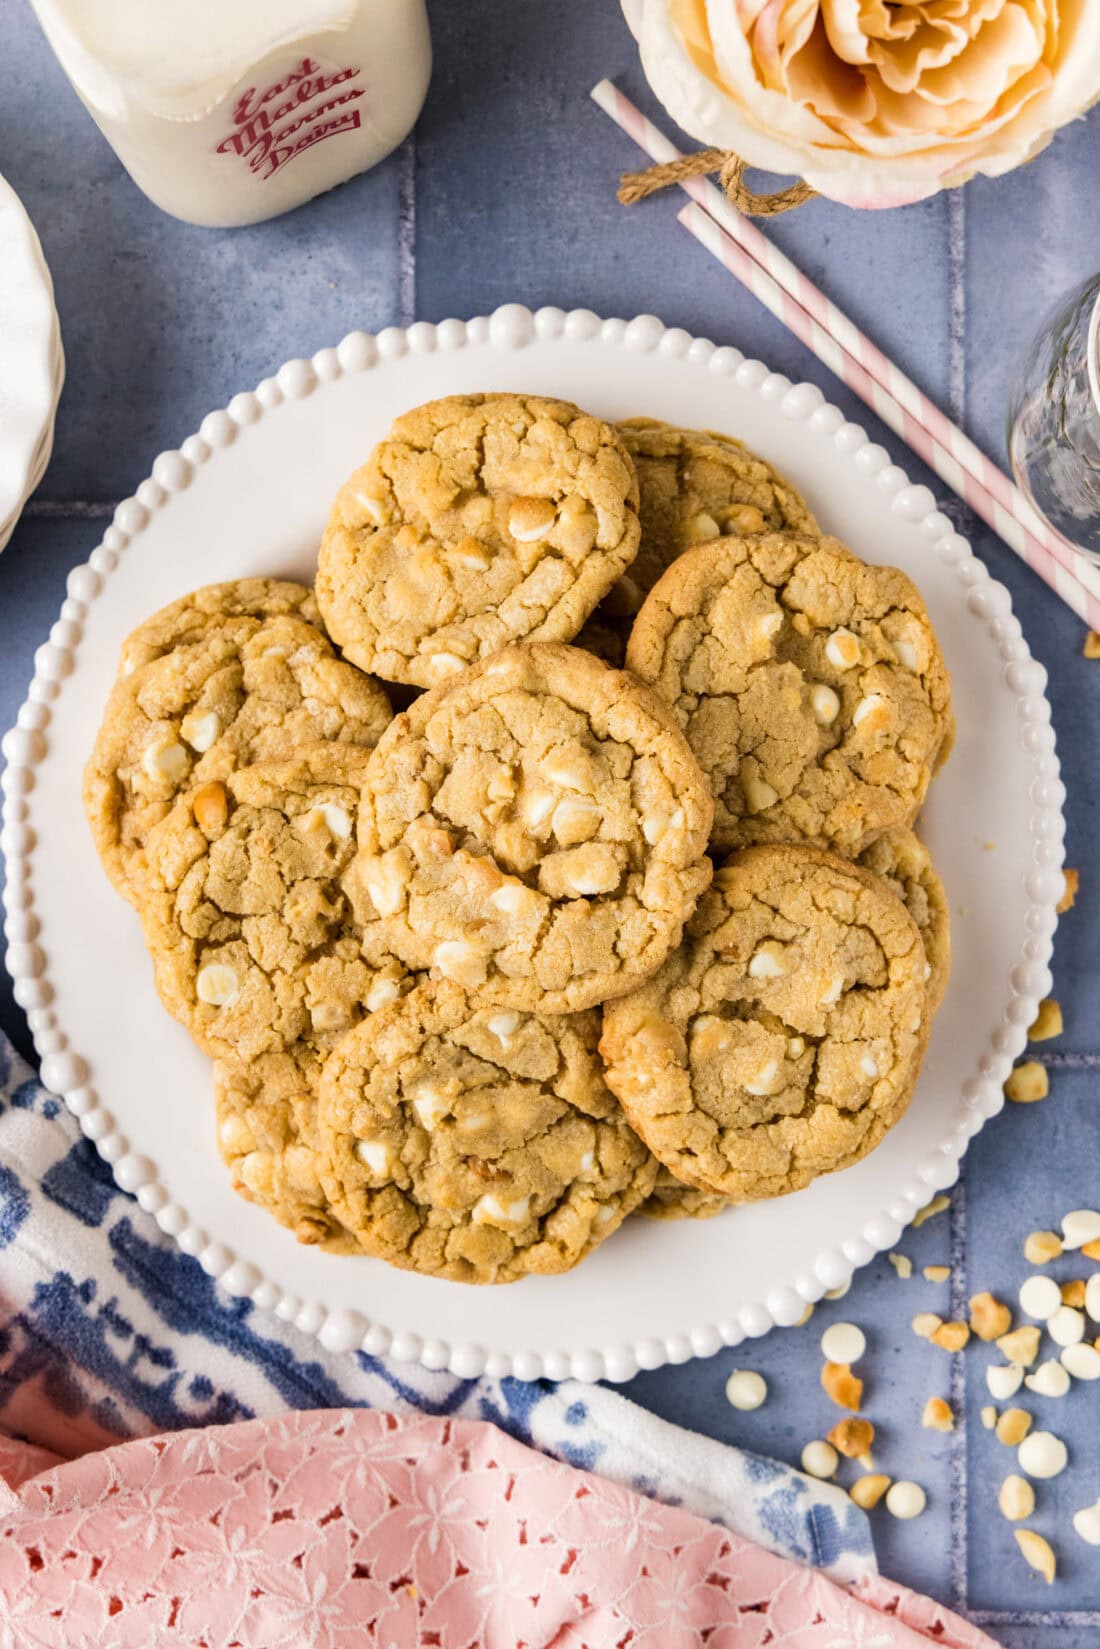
(874, 104)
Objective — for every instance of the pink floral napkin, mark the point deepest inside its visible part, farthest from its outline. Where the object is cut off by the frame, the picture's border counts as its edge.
(348, 1527)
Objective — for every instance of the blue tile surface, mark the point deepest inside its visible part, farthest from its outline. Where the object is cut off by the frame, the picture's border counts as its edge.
(507, 193)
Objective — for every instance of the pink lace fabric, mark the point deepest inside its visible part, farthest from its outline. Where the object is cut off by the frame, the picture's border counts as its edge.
(342, 1528)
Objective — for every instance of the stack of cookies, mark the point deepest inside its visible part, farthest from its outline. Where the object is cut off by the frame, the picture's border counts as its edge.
(562, 940)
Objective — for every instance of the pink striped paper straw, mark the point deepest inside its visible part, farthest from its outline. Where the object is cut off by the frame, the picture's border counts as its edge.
(840, 345)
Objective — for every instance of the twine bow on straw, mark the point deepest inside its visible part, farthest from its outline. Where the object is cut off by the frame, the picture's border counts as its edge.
(635, 186)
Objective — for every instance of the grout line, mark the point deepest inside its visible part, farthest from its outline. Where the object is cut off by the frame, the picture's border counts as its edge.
(1066, 1062)
(956, 322)
(957, 1454)
(80, 509)
(406, 232)
(1034, 1617)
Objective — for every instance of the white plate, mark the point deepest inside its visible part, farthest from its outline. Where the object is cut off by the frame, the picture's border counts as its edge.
(249, 494)
(32, 366)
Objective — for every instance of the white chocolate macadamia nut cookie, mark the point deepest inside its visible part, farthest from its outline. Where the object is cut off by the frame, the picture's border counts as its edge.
(480, 520)
(534, 832)
(905, 864)
(810, 686)
(476, 1143)
(784, 1037)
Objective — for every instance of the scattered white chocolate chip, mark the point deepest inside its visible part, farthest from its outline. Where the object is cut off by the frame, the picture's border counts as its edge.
(510, 898)
(1037, 1553)
(657, 825)
(1041, 1454)
(766, 961)
(745, 1389)
(824, 704)
(1082, 1361)
(430, 1105)
(575, 820)
(503, 1026)
(1041, 1247)
(769, 624)
(376, 1154)
(867, 707)
(1080, 1227)
(902, 1264)
(457, 959)
(217, 985)
(385, 880)
(1050, 1379)
(441, 665)
(200, 730)
(374, 507)
(1040, 1297)
(537, 807)
(587, 1162)
(989, 1417)
(165, 761)
(1067, 1326)
(381, 992)
(1092, 1297)
(820, 1459)
(905, 1499)
(489, 1210)
(1016, 1499)
(1004, 1380)
(1087, 1523)
(842, 649)
(843, 1343)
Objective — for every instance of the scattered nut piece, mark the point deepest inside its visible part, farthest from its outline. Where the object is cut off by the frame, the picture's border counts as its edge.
(1050, 1379)
(989, 1318)
(937, 1415)
(1091, 1250)
(1021, 1346)
(837, 1293)
(1074, 1294)
(1004, 1381)
(951, 1336)
(930, 1210)
(745, 1389)
(868, 1491)
(905, 1499)
(937, 1273)
(1029, 1082)
(843, 1343)
(1041, 1247)
(1013, 1427)
(1041, 1454)
(1086, 1522)
(1079, 1227)
(926, 1323)
(866, 1461)
(852, 1438)
(841, 1386)
(902, 1264)
(1092, 645)
(1069, 897)
(819, 1459)
(1037, 1553)
(1040, 1297)
(989, 1417)
(1092, 1298)
(1047, 1022)
(1082, 1361)
(805, 1317)
(1016, 1499)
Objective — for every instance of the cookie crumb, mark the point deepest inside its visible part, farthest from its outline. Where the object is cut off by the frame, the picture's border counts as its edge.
(1016, 1499)
(1069, 897)
(902, 1264)
(1038, 1553)
(930, 1210)
(1042, 1246)
(841, 1386)
(868, 1491)
(937, 1415)
(937, 1273)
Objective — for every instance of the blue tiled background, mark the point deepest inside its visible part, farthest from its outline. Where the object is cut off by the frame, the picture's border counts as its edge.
(506, 192)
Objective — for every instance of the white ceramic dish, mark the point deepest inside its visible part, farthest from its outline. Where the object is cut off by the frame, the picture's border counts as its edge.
(32, 366)
(248, 494)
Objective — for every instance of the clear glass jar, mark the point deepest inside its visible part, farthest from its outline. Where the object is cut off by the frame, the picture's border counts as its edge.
(1054, 419)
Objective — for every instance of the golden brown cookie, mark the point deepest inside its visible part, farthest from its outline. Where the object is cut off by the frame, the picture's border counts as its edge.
(671, 1199)
(256, 951)
(479, 521)
(232, 691)
(810, 686)
(784, 1038)
(534, 831)
(476, 1143)
(215, 605)
(903, 861)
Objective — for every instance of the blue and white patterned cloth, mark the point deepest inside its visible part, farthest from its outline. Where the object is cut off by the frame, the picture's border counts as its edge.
(108, 1331)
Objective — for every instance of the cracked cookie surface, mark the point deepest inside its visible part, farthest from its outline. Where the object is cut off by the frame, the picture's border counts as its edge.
(783, 1039)
(256, 951)
(476, 1143)
(534, 832)
(480, 520)
(905, 864)
(189, 618)
(810, 687)
(671, 1199)
(234, 690)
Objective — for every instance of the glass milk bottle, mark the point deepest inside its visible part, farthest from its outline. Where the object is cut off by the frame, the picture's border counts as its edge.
(229, 111)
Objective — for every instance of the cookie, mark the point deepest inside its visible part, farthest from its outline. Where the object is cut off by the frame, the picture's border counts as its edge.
(671, 1199)
(810, 687)
(534, 832)
(784, 1038)
(903, 861)
(480, 520)
(234, 690)
(473, 1143)
(256, 951)
(189, 618)
(697, 485)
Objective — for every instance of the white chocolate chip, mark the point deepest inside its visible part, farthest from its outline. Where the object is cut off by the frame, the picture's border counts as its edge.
(165, 761)
(655, 825)
(374, 507)
(867, 707)
(530, 519)
(441, 665)
(1082, 1361)
(1050, 1379)
(200, 731)
(764, 1080)
(699, 529)
(989, 1417)
(1086, 1523)
(575, 820)
(503, 1026)
(759, 795)
(587, 1162)
(824, 704)
(217, 985)
(1016, 1499)
(842, 649)
(1079, 1227)
(328, 1016)
(457, 959)
(376, 1154)
(1040, 1297)
(386, 879)
(745, 1389)
(843, 1343)
(1004, 1380)
(767, 961)
(537, 808)
(796, 1047)
(381, 992)
(1067, 1326)
(819, 1459)
(1092, 1297)
(336, 820)
(473, 555)
(906, 654)
(869, 1066)
(489, 1210)
(1041, 1454)
(905, 1499)
(510, 898)
(431, 1106)
(831, 993)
